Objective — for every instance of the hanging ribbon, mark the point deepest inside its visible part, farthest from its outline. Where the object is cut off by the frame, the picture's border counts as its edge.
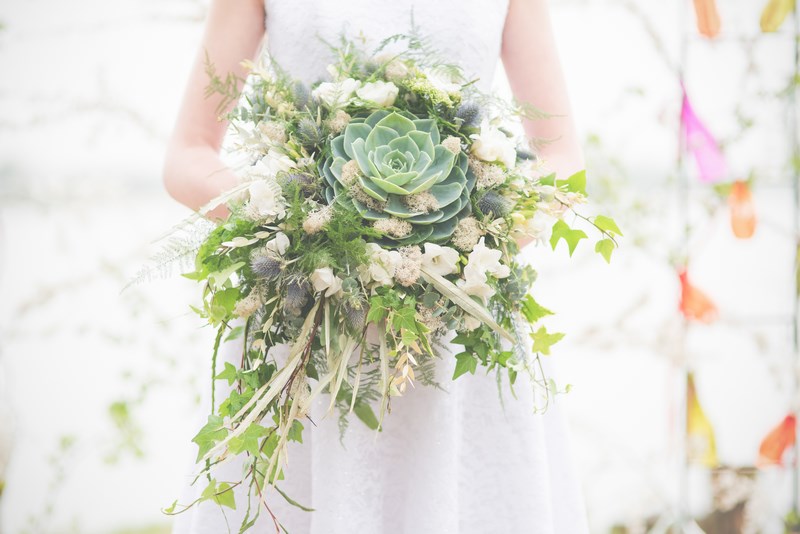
(701, 143)
(775, 12)
(743, 212)
(701, 445)
(777, 442)
(708, 23)
(694, 304)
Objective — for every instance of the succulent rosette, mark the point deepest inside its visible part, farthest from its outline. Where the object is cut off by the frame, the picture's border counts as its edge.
(393, 165)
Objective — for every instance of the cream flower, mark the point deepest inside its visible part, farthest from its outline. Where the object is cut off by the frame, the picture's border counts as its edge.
(470, 322)
(323, 279)
(278, 245)
(493, 145)
(443, 81)
(483, 259)
(271, 164)
(380, 93)
(440, 260)
(266, 201)
(335, 94)
(382, 266)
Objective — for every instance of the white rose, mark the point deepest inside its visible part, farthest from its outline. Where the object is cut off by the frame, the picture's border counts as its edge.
(440, 260)
(323, 279)
(380, 93)
(266, 200)
(493, 145)
(335, 94)
(279, 245)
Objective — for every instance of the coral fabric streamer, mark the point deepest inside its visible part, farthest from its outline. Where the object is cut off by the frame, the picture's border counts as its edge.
(743, 213)
(701, 445)
(708, 23)
(777, 442)
(695, 305)
(699, 141)
(775, 12)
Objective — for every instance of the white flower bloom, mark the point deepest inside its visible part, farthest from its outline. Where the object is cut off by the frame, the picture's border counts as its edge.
(266, 200)
(380, 93)
(279, 245)
(493, 145)
(382, 266)
(483, 259)
(475, 284)
(440, 260)
(538, 227)
(442, 80)
(470, 322)
(335, 94)
(273, 163)
(323, 279)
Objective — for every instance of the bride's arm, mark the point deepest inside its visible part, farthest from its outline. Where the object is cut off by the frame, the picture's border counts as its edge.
(193, 172)
(534, 74)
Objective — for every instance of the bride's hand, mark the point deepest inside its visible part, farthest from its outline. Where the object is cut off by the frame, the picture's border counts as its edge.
(535, 76)
(193, 171)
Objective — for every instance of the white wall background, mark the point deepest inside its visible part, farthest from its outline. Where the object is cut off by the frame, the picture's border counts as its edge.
(87, 97)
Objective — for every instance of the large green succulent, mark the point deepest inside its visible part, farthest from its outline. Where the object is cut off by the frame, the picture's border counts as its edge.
(399, 157)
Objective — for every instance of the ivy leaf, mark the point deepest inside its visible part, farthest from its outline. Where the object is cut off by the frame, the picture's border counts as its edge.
(221, 494)
(296, 432)
(561, 230)
(575, 183)
(209, 435)
(607, 224)
(542, 340)
(532, 310)
(248, 440)
(364, 412)
(171, 508)
(377, 309)
(465, 363)
(605, 247)
(229, 374)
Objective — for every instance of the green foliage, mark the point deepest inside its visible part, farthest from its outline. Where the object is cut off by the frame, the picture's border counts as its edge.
(543, 340)
(209, 435)
(561, 230)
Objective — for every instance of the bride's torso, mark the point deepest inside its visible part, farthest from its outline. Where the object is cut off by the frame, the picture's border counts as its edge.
(465, 32)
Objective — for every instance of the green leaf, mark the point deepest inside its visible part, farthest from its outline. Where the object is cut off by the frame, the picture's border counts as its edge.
(605, 247)
(377, 309)
(575, 183)
(248, 440)
(561, 230)
(209, 435)
(296, 432)
(221, 494)
(465, 362)
(217, 279)
(235, 332)
(532, 310)
(607, 224)
(229, 373)
(542, 340)
(171, 508)
(364, 412)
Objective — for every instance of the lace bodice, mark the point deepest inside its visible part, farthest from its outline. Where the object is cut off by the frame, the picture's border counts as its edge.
(466, 32)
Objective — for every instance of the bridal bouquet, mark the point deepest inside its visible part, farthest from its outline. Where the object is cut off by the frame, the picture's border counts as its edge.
(378, 212)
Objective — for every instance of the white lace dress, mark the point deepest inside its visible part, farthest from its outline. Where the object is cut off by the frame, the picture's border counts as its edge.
(446, 462)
